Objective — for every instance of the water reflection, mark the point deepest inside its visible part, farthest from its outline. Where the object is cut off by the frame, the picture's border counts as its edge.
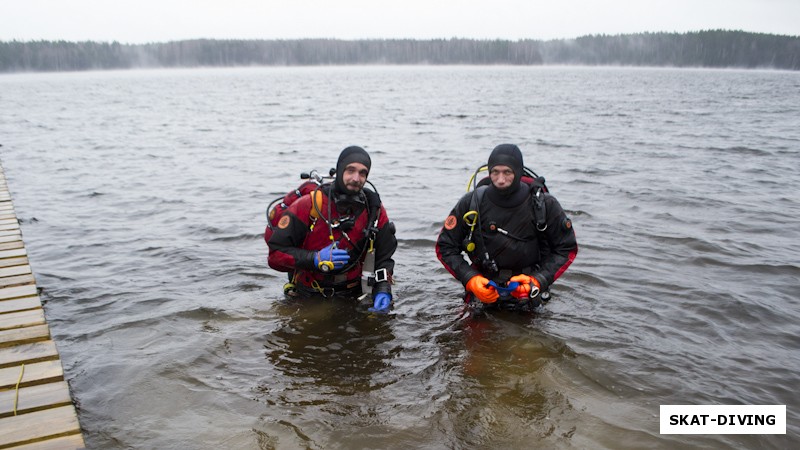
(508, 398)
(329, 357)
(332, 345)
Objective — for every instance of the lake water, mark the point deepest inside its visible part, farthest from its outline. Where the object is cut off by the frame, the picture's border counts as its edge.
(142, 197)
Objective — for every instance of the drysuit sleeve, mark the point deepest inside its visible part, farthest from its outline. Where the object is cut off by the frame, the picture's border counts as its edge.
(448, 244)
(385, 246)
(285, 252)
(560, 247)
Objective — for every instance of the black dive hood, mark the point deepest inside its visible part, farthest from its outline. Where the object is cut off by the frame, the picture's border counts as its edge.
(345, 199)
(511, 156)
(349, 155)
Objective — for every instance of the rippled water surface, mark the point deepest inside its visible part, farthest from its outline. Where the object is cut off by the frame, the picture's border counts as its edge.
(142, 199)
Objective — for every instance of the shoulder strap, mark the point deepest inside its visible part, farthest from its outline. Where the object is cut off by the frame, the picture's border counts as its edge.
(373, 213)
(477, 198)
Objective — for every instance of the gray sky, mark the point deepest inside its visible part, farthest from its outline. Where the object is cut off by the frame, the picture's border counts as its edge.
(142, 21)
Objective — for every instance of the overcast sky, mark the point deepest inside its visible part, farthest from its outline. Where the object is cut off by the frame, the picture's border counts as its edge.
(140, 21)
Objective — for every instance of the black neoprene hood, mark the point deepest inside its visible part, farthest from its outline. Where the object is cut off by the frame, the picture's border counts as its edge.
(511, 156)
(349, 155)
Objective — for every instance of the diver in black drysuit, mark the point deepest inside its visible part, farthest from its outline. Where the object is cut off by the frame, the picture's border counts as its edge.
(509, 245)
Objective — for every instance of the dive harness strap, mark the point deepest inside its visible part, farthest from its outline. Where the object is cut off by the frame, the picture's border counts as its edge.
(537, 202)
(370, 276)
(346, 290)
(477, 198)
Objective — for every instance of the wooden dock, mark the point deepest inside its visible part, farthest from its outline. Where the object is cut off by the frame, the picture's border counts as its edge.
(36, 409)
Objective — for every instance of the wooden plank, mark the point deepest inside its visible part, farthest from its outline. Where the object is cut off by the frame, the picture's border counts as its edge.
(13, 253)
(36, 409)
(34, 398)
(38, 426)
(20, 304)
(71, 442)
(34, 373)
(11, 238)
(8, 262)
(17, 291)
(22, 319)
(8, 227)
(16, 280)
(11, 245)
(25, 335)
(28, 353)
(16, 270)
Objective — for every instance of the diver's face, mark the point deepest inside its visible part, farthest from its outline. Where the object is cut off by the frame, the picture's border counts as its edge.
(502, 177)
(355, 176)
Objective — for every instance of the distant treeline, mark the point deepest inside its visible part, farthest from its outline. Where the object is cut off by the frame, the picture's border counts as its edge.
(713, 48)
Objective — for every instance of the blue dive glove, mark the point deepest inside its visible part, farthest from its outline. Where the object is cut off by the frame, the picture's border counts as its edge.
(382, 302)
(504, 290)
(330, 258)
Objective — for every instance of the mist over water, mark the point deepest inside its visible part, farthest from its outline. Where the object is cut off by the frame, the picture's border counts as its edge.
(142, 195)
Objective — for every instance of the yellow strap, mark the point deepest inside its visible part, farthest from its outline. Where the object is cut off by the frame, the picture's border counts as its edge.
(317, 287)
(16, 394)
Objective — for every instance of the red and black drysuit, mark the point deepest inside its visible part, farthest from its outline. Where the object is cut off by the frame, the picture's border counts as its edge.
(544, 255)
(299, 236)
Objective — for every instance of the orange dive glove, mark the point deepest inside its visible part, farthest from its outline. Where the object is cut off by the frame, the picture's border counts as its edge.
(528, 286)
(478, 286)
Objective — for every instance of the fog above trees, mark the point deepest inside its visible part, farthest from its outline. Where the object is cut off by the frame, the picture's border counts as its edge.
(712, 48)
